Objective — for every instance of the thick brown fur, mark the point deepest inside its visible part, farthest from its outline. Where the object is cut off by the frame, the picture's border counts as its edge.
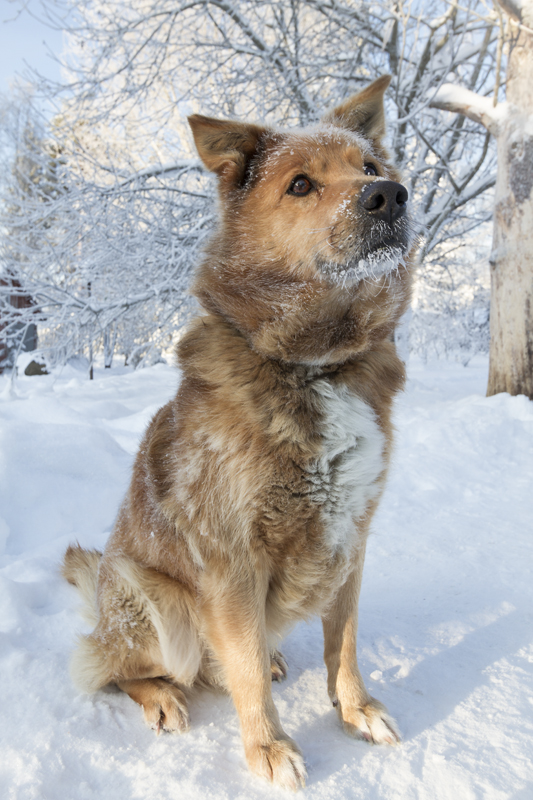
(253, 490)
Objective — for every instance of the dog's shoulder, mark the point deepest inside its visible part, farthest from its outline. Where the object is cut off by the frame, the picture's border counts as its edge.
(214, 353)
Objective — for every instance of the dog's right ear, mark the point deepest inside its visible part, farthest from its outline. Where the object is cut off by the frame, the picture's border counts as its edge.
(364, 112)
(225, 146)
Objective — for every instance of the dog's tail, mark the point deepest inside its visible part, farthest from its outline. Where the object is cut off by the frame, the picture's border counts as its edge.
(80, 568)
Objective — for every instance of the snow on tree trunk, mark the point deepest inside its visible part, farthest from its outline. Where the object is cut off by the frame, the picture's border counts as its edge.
(511, 320)
(511, 261)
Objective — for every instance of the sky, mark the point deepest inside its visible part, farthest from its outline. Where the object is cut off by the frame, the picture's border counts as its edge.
(26, 42)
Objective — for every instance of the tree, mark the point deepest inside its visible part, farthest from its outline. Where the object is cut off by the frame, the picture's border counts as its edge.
(27, 178)
(138, 67)
(142, 200)
(511, 260)
(103, 267)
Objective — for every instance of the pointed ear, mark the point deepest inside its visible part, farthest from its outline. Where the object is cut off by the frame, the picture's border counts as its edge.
(364, 112)
(225, 146)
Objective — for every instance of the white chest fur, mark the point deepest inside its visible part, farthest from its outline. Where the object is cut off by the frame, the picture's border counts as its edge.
(350, 463)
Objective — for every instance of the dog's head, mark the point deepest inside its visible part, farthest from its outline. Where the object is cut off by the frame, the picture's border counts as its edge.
(310, 258)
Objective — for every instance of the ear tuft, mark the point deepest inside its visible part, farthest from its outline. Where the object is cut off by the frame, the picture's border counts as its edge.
(225, 146)
(363, 112)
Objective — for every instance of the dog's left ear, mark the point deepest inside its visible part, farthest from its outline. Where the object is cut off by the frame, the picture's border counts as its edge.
(225, 146)
(364, 112)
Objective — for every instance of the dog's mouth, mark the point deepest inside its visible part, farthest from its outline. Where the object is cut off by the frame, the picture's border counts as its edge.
(373, 266)
(380, 251)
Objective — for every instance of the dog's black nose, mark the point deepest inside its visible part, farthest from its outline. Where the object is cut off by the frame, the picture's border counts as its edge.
(384, 200)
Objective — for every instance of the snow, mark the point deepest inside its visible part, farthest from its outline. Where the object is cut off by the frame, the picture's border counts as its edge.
(452, 97)
(446, 608)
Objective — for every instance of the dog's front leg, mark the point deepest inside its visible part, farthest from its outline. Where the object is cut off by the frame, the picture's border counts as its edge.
(234, 618)
(362, 716)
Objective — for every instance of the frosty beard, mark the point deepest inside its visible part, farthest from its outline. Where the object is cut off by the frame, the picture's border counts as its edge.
(381, 254)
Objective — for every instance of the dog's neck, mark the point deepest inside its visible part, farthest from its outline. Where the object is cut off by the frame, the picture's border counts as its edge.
(303, 322)
(214, 350)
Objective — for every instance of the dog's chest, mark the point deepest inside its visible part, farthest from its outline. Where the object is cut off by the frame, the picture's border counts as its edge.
(345, 475)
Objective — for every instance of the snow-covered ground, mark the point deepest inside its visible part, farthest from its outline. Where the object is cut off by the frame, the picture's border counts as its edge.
(446, 614)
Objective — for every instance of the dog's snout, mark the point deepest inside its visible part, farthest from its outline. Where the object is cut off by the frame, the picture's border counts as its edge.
(384, 200)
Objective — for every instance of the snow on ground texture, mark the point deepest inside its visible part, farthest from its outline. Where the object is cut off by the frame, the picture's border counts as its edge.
(446, 609)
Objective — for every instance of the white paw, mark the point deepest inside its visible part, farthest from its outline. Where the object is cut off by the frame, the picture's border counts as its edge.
(280, 762)
(372, 723)
(168, 712)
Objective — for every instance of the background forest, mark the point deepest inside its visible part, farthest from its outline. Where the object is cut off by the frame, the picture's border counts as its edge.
(104, 205)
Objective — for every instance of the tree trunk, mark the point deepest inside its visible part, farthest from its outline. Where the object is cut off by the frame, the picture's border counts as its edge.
(110, 338)
(511, 311)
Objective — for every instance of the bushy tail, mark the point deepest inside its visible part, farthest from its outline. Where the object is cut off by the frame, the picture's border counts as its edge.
(80, 567)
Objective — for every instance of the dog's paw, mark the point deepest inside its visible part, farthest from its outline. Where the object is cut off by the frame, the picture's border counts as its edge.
(280, 762)
(167, 711)
(278, 666)
(371, 723)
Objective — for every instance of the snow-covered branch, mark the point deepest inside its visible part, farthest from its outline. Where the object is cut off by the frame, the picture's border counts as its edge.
(459, 100)
(156, 170)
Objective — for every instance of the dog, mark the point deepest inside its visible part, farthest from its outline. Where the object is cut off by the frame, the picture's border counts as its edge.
(253, 490)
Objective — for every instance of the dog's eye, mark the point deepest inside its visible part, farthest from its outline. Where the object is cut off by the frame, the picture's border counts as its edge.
(369, 169)
(300, 186)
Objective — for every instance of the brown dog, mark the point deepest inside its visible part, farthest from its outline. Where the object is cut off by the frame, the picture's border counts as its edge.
(253, 490)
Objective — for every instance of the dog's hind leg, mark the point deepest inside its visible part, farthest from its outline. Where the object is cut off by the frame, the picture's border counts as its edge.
(145, 640)
(163, 703)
